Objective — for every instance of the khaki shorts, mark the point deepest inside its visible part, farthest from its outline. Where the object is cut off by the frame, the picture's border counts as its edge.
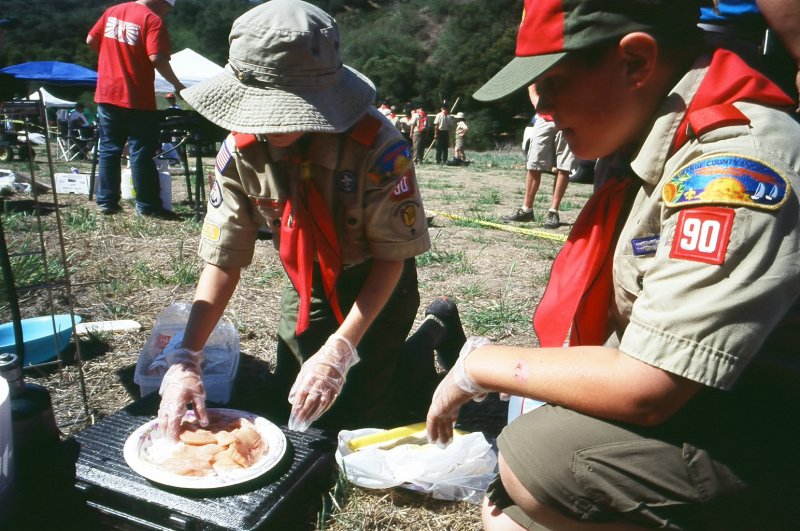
(598, 471)
(548, 149)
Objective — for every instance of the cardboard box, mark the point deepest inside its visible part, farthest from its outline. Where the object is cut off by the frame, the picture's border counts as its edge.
(72, 183)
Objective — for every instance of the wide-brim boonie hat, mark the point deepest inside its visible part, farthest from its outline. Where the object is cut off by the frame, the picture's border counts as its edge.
(550, 29)
(284, 75)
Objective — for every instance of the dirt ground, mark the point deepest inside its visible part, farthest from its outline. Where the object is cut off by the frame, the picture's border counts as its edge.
(123, 267)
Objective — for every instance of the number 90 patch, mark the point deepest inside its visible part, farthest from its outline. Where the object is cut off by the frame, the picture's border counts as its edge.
(703, 234)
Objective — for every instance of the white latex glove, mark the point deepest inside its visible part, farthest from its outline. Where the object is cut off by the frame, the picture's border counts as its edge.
(182, 385)
(320, 381)
(454, 390)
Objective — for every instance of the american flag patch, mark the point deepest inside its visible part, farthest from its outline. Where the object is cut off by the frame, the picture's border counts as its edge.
(223, 157)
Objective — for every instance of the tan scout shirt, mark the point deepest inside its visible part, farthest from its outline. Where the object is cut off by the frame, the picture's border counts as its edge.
(371, 192)
(705, 321)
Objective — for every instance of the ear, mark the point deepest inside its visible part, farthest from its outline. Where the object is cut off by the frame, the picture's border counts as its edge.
(639, 51)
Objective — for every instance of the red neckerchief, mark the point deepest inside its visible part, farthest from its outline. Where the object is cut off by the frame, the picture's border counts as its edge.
(579, 293)
(307, 232)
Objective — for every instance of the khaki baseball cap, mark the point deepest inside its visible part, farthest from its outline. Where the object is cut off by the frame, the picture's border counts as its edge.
(550, 29)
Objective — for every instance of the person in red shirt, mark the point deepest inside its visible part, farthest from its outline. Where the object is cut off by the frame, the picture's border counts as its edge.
(132, 42)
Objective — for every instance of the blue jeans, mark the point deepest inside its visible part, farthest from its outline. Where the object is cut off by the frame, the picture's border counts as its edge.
(140, 130)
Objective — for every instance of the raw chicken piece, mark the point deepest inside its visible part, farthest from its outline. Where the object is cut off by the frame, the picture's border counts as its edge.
(225, 444)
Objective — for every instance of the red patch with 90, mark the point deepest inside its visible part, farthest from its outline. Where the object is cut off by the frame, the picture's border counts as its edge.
(703, 234)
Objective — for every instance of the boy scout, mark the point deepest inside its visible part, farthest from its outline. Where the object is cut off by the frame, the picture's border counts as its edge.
(675, 403)
(313, 160)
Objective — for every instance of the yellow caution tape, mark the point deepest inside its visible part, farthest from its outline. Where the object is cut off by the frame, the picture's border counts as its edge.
(508, 228)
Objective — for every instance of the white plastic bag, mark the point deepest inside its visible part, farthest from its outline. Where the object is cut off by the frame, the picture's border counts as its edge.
(219, 351)
(461, 471)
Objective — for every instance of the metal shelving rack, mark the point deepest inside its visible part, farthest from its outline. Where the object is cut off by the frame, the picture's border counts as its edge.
(44, 244)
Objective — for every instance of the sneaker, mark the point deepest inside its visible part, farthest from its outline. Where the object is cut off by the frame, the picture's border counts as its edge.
(519, 215)
(551, 221)
(163, 213)
(445, 311)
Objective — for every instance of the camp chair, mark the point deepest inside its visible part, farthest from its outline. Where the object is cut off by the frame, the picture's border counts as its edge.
(74, 143)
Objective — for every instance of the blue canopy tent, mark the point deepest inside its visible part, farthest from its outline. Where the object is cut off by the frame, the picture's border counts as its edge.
(52, 72)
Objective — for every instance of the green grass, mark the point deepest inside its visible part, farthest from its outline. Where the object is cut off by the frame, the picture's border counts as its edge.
(491, 196)
(503, 159)
(81, 220)
(498, 320)
(472, 291)
(32, 269)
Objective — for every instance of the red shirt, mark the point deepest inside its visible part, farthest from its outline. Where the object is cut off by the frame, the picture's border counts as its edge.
(128, 35)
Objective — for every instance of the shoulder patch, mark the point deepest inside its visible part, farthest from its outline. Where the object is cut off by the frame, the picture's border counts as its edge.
(392, 164)
(224, 154)
(702, 234)
(726, 179)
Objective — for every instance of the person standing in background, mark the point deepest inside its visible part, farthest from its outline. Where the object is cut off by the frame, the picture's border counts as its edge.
(171, 100)
(461, 132)
(132, 42)
(419, 126)
(545, 148)
(442, 125)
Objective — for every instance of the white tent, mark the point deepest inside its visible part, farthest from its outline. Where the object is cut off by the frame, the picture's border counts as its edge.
(51, 101)
(190, 67)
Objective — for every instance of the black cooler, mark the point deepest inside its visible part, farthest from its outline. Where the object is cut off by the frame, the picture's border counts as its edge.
(285, 498)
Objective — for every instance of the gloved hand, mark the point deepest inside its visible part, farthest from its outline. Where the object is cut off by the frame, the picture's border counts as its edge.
(454, 390)
(182, 384)
(320, 381)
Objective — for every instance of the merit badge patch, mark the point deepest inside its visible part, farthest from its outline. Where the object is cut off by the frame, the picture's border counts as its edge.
(215, 196)
(726, 179)
(404, 188)
(210, 231)
(223, 156)
(347, 182)
(645, 246)
(406, 212)
(395, 161)
(702, 234)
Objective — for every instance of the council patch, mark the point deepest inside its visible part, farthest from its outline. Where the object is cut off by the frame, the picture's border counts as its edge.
(394, 162)
(727, 179)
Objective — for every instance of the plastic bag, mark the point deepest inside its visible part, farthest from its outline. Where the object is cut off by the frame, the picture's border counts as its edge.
(461, 471)
(219, 351)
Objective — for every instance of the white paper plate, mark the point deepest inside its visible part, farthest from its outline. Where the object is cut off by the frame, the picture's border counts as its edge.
(141, 439)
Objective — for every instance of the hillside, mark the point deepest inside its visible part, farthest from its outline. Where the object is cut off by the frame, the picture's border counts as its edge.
(421, 51)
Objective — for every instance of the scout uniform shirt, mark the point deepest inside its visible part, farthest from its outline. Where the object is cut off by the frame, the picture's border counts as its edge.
(706, 268)
(365, 177)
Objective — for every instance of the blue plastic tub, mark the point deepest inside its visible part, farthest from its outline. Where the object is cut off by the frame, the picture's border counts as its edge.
(42, 341)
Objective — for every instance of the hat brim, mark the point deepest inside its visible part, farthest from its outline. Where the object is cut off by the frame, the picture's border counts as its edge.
(520, 72)
(234, 106)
